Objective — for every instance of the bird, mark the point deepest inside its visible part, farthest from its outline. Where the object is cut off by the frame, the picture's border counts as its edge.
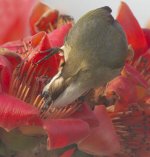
(95, 51)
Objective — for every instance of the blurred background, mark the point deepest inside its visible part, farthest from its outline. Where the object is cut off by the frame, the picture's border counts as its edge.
(76, 8)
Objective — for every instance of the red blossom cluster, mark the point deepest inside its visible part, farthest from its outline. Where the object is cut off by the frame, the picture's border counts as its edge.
(120, 130)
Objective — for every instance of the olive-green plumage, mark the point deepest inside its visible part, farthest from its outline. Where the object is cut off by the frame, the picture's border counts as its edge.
(95, 51)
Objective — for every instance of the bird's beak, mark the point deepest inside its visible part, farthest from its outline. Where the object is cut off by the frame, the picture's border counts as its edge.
(51, 51)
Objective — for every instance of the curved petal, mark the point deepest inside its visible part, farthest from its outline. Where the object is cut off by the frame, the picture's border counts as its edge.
(15, 113)
(124, 88)
(62, 132)
(14, 16)
(49, 67)
(57, 37)
(143, 66)
(147, 36)
(37, 12)
(40, 42)
(12, 57)
(43, 18)
(47, 22)
(103, 139)
(5, 73)
(135, 76)
(13, 45)
(87, 115)
(133, 30)
(54, 39)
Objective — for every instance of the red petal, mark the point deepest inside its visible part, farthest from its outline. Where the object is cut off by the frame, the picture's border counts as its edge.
(37, 39)
(123, 87)
(15, 113)
(143, 65)
(13, 45)
(40, 42)
(147, 36)
(127, 92)
(86, 114)
(130, 72)
(49, 67)
(62, 132)
(45, 44)
(12, 57)
(5, 73)
(103, 139)
(14, 19)
(57, 37)
(42, 17)
(37, 12)
(133, 30)
(47, 21)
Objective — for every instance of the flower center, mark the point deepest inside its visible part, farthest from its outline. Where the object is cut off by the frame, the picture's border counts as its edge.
(143, 66)
(132, 127)
(27, 83)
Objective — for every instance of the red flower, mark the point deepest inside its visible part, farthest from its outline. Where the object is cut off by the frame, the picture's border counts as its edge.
(122, 129)
(23, 103)
(20, 99)
(30, 17)
(101, 140)
(14, 19)
(22, 82)
(46, 19)
(43, 18)
(135, 34)
(130, 91)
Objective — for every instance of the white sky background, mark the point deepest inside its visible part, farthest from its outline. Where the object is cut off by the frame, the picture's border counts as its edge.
(76, 8)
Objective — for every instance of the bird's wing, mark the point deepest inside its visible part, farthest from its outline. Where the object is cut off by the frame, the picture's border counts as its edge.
(63, 91)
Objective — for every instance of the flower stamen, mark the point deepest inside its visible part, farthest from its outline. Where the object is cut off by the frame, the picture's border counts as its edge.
(132, 127)
(27, 83)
